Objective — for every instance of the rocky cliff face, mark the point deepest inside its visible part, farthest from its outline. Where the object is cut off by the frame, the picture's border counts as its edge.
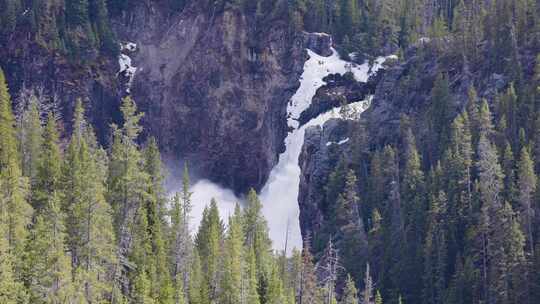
(31, 66)
(323, 148)
(214, 86)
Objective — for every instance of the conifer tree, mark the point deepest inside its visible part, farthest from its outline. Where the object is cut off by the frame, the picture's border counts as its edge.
(30, 137)
(127, 184)
(14, 209)
(232, 289)
(197, 290)
(349, 220)
(327, 272)
(49, 171)
(309, 292)
(91, 238)
(48, 267)
(256, 232)
(527, 181)
(155, 213)
(440, 113)
(457, 164)
(378, 298)
(508, 164)
(491, 186)
(252, 279)
(435, 251)
(484, 124)
(350, 293)
(12, 291)
(208, 242)
(275, 294)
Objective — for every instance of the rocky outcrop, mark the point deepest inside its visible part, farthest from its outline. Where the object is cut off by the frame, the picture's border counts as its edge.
(57, 79)
(339, 90)
(323, 147)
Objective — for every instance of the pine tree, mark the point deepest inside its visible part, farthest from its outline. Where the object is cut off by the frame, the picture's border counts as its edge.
(354, 247)
(492, 256)
(208, 242)
(275, 294)
(180, 240)
(350, 293)
(414, 206)
(15, 211)
(309, 292)
(91, 238)
(48, 267)
(256, 227)
(439, 114)
(127, 183)
(155, 212)
(435, 251)
(484, 124)
(30, 137)
(527, 186)
(508, 164)
(252, 279)
(378, 298)
(12, 291)
(49, 171)
(197, 291)
(232, 289)
(457, 164)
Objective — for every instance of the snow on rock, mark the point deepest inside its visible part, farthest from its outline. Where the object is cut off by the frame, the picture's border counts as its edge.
(339, 143)
(128, 46)
(124, 61)
(315, 69)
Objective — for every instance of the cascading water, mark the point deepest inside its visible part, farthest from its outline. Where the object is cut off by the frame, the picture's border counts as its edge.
(280, 193)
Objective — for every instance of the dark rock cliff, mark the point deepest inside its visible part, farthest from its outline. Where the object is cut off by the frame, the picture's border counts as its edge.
(322, 149)
(214, 87)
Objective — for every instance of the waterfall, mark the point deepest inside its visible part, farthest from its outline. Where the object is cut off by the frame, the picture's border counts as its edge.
(279, 195)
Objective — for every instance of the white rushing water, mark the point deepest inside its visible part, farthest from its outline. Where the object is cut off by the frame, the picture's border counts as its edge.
(280, 194)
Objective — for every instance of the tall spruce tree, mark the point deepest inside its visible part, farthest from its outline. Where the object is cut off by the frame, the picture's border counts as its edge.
(350, 293)
(48, 266)
(91, 238)
(15, 211)
(527, 181)
(208, 241)
(232, 289)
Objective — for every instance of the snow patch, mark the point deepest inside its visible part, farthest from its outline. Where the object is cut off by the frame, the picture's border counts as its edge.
(339, 143)
(315, 69)
(128, 46)
(124, 61)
